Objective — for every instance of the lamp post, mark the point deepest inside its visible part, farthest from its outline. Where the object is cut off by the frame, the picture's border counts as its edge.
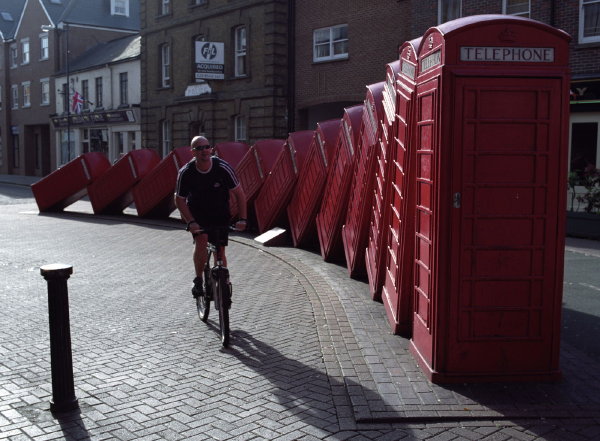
(63, 26)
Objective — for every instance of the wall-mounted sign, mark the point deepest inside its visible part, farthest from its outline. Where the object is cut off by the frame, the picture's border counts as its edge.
(100, 117)
(210, 61)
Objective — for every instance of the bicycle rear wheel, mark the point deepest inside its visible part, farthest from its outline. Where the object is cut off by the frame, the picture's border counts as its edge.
(223, 290)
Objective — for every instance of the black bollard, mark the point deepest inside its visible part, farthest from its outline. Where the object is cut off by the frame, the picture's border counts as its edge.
(63, 389)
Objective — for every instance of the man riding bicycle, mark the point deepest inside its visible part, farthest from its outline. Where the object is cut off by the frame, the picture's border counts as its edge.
(202, 197)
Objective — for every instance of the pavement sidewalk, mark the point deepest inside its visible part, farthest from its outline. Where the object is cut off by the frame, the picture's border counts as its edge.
(312, 356)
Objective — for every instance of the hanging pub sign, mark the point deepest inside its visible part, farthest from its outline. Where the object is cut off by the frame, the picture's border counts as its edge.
(210, 61)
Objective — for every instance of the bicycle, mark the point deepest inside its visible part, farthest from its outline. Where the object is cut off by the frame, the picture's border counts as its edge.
(217, 286)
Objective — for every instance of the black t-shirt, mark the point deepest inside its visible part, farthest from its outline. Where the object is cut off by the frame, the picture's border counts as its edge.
(207, 193)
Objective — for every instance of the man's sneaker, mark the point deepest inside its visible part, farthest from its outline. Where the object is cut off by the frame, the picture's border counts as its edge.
(198, 290)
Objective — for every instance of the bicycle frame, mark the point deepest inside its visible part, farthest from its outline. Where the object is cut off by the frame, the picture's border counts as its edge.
(217, 286)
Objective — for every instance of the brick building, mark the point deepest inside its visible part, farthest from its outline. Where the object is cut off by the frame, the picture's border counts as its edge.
(217, 67)
(347, 44)
(35, 38)
(340, 47)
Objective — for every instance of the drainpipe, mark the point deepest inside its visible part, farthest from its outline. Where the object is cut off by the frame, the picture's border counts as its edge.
(291, 77)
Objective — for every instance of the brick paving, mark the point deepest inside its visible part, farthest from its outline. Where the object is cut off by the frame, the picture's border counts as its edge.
(311, 356)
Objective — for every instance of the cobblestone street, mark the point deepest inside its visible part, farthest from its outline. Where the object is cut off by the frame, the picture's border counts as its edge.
(311, 356)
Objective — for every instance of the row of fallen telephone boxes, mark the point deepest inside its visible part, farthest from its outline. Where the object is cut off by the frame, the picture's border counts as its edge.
(445, 189)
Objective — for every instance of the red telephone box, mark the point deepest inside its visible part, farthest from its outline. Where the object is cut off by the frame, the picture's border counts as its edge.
(69, 183)
(232, 152)
(256, 164)
(335, 197)
(397, 220)
(491, 158)
(355, 230)
(253, 169)
(307, 196)
(111, 192)
(272, 200)
(153, 195)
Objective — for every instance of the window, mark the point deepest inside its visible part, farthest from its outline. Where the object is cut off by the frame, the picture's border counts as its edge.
(14, 93)
(123, 86)
(198, 2)
(516, 7)
(26, 86)
(119, 7)
(165, 7)
(240, 52)
(585, 143)
(67, 146)
(98, 92)
(44, 91)
(85, 93)
(44, 46)
(131, 140)
(14, 55)
(589, 21)
(165, 61)
(119, 144)
(25, 51)
(330, 43)
(166, 137)
(448, 10)
(240, 128)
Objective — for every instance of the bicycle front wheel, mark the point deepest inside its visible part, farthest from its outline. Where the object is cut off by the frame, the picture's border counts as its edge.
(223, 289)
(203, 302)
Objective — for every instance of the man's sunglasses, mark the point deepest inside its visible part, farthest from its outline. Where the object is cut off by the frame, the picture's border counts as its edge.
(201, 147)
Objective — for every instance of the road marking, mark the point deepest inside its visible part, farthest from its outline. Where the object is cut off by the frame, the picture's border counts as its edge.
(587, 285)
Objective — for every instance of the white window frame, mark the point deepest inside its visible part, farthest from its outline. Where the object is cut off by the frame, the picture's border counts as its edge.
(14, 55)
(45, 91)
(441, 3)
(240, 128)
(14, 93)
(25, 51)
(26, 88)
(99, 99)
(44, 49)
(240, 44)
(123, 89)
(518, 14)
(165, 65)
(119, 7)
(582, 7)
(165, 7)
(331, 42)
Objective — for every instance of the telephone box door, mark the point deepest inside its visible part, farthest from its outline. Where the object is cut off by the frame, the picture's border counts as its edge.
(504, 237)
(427, 151)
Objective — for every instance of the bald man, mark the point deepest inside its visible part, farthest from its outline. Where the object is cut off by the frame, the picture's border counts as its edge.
(202, 197)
